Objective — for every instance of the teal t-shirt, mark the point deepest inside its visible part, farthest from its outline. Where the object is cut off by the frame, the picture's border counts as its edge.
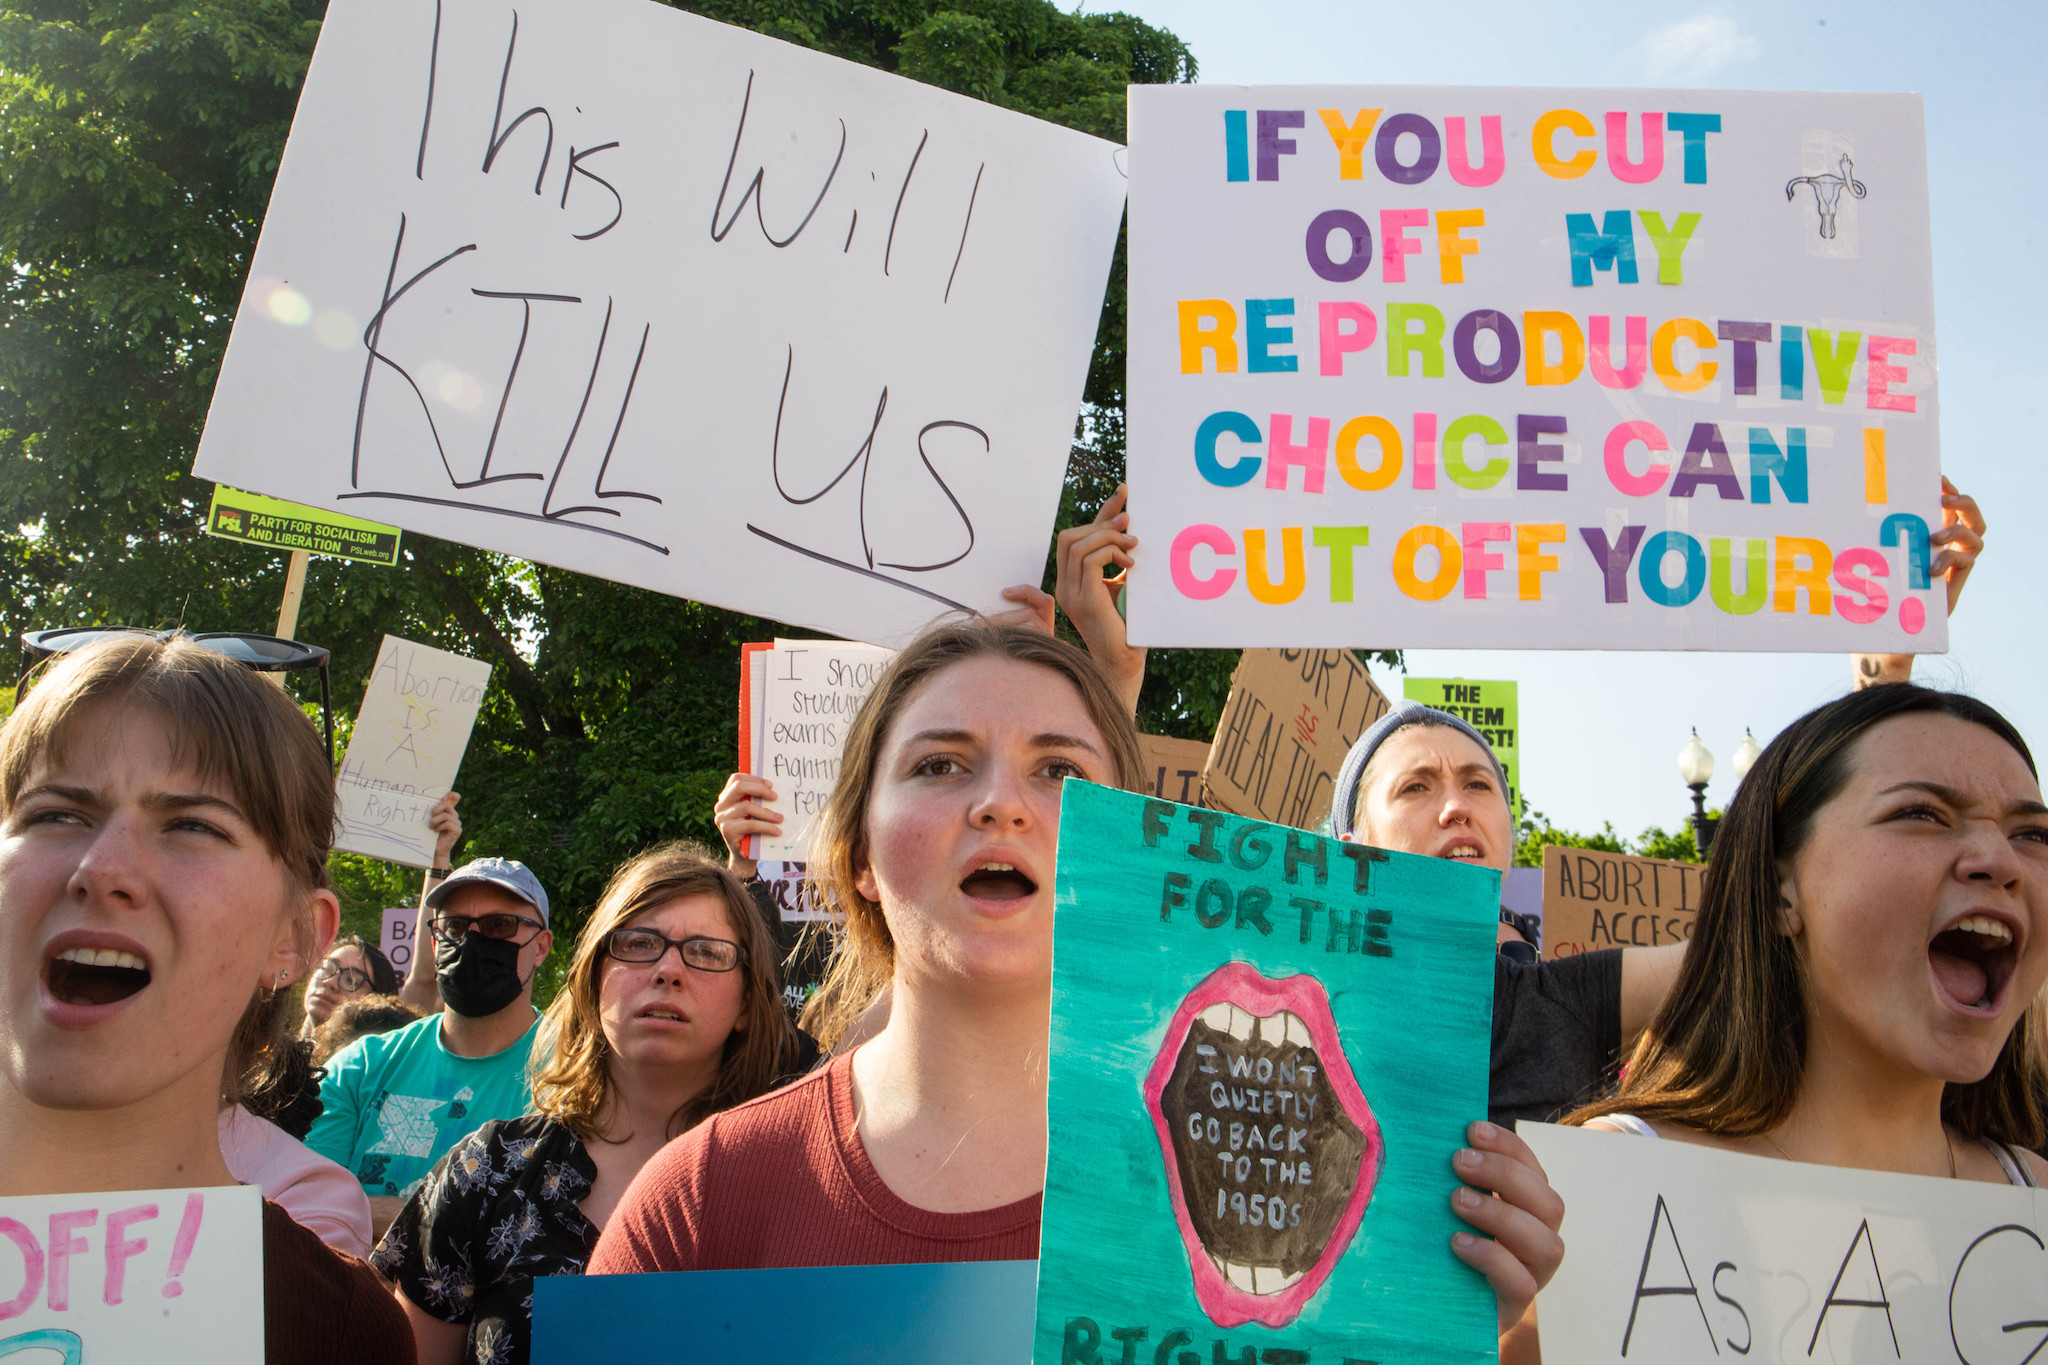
(392, 1103)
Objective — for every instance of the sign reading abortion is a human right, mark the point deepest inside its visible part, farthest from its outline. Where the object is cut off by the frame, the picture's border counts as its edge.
(614, 287)
(1532, 369)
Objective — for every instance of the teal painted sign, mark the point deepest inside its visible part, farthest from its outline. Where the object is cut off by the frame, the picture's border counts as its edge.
(1266, 1046)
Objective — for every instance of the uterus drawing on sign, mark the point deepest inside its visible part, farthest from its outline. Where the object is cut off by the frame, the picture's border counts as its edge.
(1827, 188)
(511, 397)
(853, 470)
(1272, 1153)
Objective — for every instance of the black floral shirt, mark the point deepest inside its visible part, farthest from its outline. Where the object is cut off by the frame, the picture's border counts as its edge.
(497, 1212)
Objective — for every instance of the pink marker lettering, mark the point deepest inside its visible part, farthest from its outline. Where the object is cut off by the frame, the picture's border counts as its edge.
(63, 1245)
(181, 1248)
(31, 1268)
(120, 1247)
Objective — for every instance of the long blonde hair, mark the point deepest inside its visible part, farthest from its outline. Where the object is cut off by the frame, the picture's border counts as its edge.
(572, 1080)
(866, 954)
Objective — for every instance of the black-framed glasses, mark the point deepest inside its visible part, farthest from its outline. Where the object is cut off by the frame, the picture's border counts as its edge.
(703, 953)
(452, 929)
(263, 653)
(351, 978)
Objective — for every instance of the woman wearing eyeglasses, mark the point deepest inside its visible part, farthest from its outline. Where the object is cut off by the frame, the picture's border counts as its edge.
(671, 1012)
(352, 969)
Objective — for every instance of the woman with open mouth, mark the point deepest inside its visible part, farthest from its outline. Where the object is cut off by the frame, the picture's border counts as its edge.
(927, 1142)
(1863, 983)
(671, 1012)
(165, 820)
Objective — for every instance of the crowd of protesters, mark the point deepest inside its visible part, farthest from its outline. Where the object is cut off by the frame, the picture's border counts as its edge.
(428, 1146)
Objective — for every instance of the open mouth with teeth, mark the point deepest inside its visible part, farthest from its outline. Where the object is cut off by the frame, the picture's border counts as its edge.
(1271, 1151)
(998, 882)
(672, 1015)
(96, 976)
(1972, 961)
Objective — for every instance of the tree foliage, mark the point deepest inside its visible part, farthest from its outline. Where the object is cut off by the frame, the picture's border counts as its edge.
(1536, 831)
(138, 143)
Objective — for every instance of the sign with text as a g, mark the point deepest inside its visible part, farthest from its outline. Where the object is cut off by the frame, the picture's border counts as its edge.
(1684, 1255)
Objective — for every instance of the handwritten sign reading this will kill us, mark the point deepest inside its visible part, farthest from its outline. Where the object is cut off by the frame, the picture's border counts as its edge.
(615, 287)
(405, 749)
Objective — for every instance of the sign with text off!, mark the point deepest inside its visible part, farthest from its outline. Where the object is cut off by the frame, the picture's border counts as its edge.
(1683, 1254)
(1532, 368)
(1252, 1117)
(617, 288)
(133, 1277)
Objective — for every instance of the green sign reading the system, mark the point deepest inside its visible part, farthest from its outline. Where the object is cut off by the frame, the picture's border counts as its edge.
(256, 520)
(1489, 708)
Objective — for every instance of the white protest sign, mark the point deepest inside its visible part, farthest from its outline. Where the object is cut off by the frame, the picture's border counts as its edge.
(405, 749)
(1682, 1254)
(813, 688)
(399, 926)
(1532, 369)
(133, 1277)
(614, 287)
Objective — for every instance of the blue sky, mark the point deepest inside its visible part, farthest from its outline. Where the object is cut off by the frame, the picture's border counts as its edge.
(1601, 731)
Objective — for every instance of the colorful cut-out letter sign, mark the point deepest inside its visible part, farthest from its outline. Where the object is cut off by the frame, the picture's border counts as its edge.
(1532, 369)
(614, 287)
(133, 1277)
(1252, 1122)
(1685, 1255)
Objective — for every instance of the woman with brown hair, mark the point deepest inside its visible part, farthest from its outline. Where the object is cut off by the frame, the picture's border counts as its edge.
(165, 818)
(927, 1142)
(1863, 982)
(671, 1013)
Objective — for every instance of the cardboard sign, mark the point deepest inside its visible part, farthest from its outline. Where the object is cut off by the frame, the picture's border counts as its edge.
(396, 942)
(1532, 368)
(272, 522)
(810, 692)
(1291, 717)
(133, 1277)
(963, 1313)
(1593, 899)
(405, 749)
(1173, 768)
(1251, 1122)
(614, 287)
(1683, 1254)
(1488, 707)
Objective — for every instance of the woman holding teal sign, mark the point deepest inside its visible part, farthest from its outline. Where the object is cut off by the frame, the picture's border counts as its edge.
(928, 1141)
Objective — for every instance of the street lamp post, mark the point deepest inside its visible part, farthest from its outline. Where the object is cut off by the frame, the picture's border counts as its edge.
(1696, 769)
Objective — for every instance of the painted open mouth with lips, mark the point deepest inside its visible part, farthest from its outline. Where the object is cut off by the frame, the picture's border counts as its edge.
(95, 976)
(1973, 961)
(998, 881)
(1271, 1151)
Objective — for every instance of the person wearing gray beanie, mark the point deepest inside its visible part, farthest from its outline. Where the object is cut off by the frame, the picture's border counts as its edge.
(1424, 782)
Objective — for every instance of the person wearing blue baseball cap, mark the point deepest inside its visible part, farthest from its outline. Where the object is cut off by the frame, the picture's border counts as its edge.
(393, 1103)
(1423, 781)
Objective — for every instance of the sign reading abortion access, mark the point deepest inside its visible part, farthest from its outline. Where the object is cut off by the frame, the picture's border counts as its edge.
(133, 1277)
(1595, 899)
(1252, 1123)
(1488, 707)
(1685, 1255)
(1291, 716)
(406, 748)
(617, 288)
(1532, 369)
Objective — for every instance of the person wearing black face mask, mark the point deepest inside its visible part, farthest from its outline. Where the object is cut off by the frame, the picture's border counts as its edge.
(393, 1103)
